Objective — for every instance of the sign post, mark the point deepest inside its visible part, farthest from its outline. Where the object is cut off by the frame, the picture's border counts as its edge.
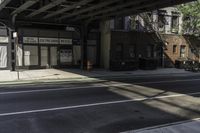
(17, 47)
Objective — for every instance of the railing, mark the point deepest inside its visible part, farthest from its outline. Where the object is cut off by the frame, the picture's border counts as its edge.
(150, 25)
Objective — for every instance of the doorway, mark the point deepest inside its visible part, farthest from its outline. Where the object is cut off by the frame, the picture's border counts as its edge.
(44, 56)
(3, 57)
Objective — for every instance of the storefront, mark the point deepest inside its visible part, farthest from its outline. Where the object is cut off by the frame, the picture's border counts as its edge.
(52, 49)
(4, 48)
(44, 49)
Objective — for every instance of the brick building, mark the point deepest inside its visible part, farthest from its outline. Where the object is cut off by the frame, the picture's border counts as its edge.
(152, 36)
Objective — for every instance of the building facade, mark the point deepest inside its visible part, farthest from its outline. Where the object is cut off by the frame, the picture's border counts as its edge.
(40, 48)
(47, 48)
(120, 43)
(155, 35)
(5, 49)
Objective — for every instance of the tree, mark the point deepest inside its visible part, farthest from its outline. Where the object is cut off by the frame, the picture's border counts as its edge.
(191, 17)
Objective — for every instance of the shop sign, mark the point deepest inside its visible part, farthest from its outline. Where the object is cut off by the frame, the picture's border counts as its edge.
(36, 40)
(30, 40)
(70, 28)
(48, 40)
(66, 41)
(66, 56)
(3, 39)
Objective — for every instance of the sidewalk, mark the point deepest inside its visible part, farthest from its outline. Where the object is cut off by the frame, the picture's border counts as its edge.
(56, 74)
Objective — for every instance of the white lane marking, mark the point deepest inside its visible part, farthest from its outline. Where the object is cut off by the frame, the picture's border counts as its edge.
(95, 104)
(161, 126)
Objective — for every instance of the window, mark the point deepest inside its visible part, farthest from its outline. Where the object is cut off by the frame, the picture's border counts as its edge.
(30, 55)
(120, 23)
(174, 49)
(3, 56)
(162, 20)
(182, 51)
(175, 24)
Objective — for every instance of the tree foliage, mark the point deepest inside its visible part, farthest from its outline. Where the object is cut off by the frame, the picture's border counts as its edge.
(191, 17)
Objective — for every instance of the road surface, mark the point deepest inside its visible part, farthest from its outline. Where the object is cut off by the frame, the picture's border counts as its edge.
(108, 106)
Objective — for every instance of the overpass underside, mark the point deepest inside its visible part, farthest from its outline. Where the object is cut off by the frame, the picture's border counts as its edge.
(77, 13)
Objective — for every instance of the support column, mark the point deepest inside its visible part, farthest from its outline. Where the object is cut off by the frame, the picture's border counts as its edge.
(12, 51)
(84, 38)
(13, 44)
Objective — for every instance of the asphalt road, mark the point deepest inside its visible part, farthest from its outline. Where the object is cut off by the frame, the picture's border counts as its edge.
(104, 106)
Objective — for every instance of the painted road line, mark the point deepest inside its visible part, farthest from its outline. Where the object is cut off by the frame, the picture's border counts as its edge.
(95, 104)
(162, 126)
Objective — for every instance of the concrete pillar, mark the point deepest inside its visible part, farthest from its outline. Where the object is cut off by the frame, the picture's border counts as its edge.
(84, 38)
(105, 44)
(13, 42)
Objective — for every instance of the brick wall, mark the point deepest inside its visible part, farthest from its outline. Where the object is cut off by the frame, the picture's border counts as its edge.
(141, 40)
(190, 43)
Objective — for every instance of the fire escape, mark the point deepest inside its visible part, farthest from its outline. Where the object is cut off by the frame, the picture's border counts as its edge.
(151, 26)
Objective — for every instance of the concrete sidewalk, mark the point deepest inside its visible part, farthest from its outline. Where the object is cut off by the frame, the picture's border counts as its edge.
(57, 74)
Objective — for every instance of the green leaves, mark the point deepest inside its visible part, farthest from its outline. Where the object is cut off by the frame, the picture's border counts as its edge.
(191, 17)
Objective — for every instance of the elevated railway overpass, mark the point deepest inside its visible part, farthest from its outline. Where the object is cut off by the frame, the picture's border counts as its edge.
(81, 14)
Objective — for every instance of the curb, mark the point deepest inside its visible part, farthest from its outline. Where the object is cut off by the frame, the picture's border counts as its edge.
(92, 78)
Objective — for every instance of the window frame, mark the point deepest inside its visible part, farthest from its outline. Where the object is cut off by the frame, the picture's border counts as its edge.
(174, 51)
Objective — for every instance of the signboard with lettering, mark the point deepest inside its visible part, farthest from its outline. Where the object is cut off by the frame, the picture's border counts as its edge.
(36, 40)
(30, 40)
(3, 39)
(48, 40)
(66, 56)
(66, 41)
